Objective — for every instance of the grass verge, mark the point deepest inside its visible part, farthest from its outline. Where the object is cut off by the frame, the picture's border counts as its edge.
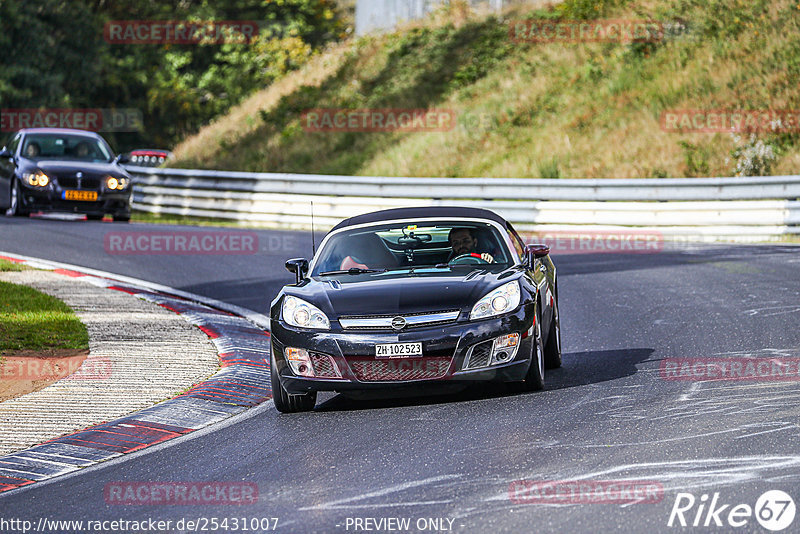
(8, 266)
(33, 321)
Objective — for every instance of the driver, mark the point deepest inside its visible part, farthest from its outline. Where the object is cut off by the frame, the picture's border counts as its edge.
(82, 150)
(463, 241)
(32, 150)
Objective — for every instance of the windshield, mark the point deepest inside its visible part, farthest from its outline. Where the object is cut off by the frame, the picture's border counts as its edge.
(408, 245)
(65, 146)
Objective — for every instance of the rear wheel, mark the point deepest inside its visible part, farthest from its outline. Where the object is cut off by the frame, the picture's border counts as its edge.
(95, 217)
(287, 403)
(122, 218)
(552, 351)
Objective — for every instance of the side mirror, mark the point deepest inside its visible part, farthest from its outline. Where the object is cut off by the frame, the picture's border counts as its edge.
(6, 154)
(124, 158)
(535, 251)
(298, 266)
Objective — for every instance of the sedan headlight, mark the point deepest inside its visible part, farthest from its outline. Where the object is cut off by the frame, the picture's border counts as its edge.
(498, 301)
(114, 183)
(298, 312)
(38, 178)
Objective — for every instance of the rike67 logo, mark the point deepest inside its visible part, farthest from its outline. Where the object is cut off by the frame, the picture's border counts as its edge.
(774, 510)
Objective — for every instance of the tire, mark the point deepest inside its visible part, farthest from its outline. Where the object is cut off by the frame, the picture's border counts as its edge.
(122, 218)
(286, 403)
(534, 379)
(15, 209)
(95, 217)
(552, 351)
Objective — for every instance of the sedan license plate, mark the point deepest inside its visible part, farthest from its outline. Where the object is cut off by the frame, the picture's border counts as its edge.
(88, 196)
(398, 350)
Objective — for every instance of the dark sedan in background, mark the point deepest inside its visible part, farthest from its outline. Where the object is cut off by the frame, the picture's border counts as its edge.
(63, 170)
(410, 296)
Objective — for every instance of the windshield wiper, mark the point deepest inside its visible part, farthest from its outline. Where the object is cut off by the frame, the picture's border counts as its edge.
(353, 270)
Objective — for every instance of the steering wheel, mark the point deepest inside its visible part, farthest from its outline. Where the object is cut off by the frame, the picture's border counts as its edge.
(467, 259)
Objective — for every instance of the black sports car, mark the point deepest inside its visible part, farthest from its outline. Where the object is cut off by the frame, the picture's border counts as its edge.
(53, 169)
(432, 295)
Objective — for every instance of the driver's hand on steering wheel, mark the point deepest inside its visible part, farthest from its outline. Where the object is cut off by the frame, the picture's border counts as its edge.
(487, 257)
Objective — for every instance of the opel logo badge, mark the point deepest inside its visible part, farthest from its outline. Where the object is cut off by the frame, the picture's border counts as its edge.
(398, 323)
(79, 175)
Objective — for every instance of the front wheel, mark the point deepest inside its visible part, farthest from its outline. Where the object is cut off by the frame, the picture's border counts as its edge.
(122, 218)
(95, 217)
(534, 379)
(286, 403)
(552, 351)
(16, 209)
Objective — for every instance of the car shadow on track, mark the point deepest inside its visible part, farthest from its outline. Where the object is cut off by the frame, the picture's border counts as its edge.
(578, 369)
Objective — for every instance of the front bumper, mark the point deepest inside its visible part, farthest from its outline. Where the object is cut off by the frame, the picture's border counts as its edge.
(50, 199)
(444, 350)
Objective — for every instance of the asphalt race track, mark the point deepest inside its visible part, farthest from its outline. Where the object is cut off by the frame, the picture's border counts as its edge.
(607, 414)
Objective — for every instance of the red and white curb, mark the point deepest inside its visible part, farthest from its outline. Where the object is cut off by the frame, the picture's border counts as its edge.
(242, 341)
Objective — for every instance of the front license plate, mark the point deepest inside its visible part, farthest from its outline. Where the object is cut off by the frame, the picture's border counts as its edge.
(89, 196)
(398, 350)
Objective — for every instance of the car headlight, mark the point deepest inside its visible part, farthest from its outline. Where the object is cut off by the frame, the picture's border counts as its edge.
(298, 312)
(38, 178)
(114, 183)
(498, 301)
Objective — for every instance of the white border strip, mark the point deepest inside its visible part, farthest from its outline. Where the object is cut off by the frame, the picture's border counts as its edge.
(254, 317)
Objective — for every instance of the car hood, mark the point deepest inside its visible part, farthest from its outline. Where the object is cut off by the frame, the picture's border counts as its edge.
(65, 167)
(400, 292)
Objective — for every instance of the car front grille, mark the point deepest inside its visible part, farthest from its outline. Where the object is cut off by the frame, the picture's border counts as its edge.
(85, 183)
(400, 369)
(412, 320)
(479, 355)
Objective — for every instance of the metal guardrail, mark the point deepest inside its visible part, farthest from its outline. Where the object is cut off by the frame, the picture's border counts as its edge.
(750, 207)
